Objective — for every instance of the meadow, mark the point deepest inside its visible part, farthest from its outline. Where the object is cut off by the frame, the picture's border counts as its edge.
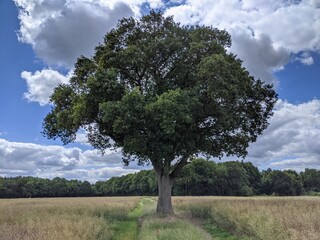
(63, 218)
(266, 218)
(128, 218)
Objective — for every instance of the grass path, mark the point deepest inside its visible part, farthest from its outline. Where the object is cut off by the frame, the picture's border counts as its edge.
(142, 224)
(128, 229)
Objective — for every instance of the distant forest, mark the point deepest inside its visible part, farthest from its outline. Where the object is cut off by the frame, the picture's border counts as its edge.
(199, 178)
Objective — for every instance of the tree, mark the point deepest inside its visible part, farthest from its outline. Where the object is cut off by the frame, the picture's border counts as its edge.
(233, 179)
(310, 179)
(196, 178)
(253, 175)
(282, 183)
(163, 93)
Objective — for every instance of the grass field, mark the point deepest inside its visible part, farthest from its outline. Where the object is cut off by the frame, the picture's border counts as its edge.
(128, 218)
(65, 218)
(267, 218)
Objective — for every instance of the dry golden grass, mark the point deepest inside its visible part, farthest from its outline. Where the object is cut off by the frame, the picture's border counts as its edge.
(62, 218)
(94, 218)
(264, 218)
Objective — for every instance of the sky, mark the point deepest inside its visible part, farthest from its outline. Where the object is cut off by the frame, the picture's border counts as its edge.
(278, 41)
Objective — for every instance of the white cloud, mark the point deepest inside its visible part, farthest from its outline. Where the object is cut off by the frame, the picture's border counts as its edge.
(156, 3)
(91, 175)
(30, 159)
(259, 55)
(94, 157)
(40, 84)
(60, 31)
(305, 58)
(286, 27)
(281, 20)
(282, 27)
(298, 164)
(292, 140)
(82, 138)
(29, 156)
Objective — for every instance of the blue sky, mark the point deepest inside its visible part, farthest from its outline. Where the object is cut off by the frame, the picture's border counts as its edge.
(279, 42)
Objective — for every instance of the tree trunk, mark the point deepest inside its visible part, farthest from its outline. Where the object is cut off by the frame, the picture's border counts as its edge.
(165, 183)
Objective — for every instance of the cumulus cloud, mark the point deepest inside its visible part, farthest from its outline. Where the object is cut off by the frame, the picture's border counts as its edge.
(259, 55)
(305, 58)
(94, 157)
(263, 33)
(60, 31)
(82, 138)
(91, 175)
(29, 156)
(40, 84)
(155, 3)
(281, 20)
(286, 28)
(292, 139)
(28, 159)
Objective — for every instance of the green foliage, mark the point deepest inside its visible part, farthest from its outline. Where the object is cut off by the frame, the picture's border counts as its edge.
(162, 92)
(311, 180)
(282, 183)
(203, 177)
(312, 193)
(220, 234)
(20, 187)
(142, 183)
(172, 229)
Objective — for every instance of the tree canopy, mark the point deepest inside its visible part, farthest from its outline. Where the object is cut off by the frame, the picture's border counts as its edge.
(163, 93)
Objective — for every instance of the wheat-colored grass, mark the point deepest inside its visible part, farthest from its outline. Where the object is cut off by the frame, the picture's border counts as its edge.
(95, 218)
(267, 218)
(62, 218)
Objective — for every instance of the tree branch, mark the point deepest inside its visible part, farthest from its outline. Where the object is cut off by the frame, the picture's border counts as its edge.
(178, 166)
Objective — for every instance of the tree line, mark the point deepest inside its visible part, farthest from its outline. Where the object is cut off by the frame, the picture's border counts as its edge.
(233, 178)
(25, 187)
(199, 178)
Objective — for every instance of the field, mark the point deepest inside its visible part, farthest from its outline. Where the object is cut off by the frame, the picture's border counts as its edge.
(258, 217)
(64, 218)
(129, 218)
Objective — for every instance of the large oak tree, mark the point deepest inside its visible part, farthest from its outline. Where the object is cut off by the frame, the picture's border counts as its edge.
(163, 93)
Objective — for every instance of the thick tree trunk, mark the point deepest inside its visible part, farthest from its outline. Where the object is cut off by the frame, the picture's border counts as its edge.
(165, 182)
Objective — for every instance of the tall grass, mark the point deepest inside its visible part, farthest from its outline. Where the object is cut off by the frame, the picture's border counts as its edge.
(267, 218)
(64, 218)
(155, 227)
